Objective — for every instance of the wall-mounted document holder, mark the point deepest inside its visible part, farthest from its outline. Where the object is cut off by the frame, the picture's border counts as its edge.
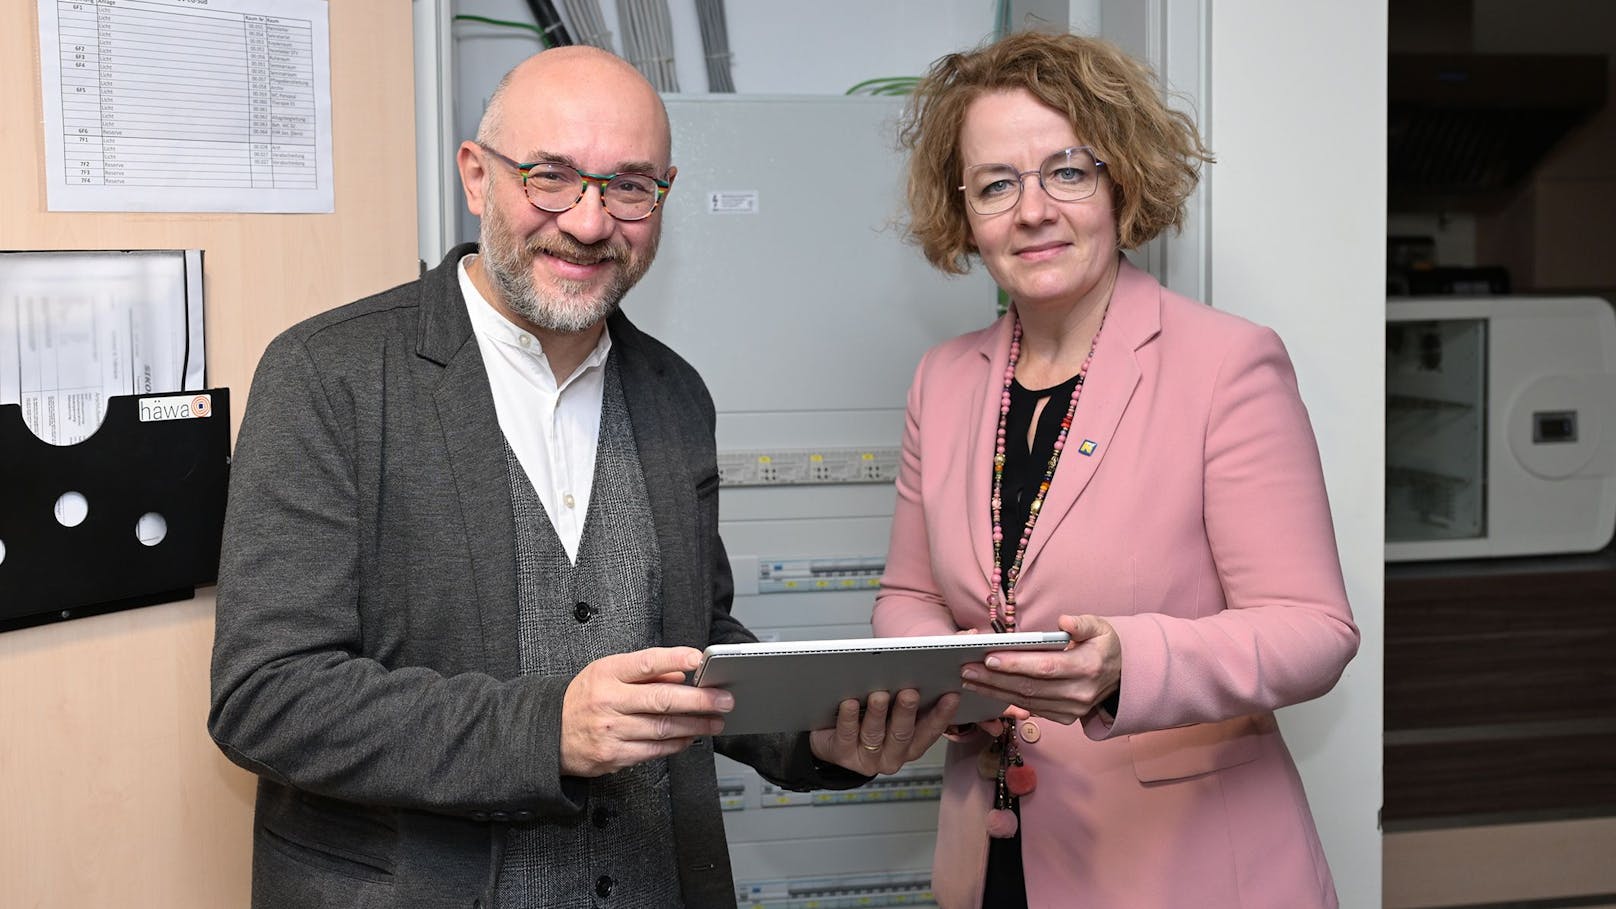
(131, 516)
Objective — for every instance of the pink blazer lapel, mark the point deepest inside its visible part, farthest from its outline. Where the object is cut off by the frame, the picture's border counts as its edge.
(1134, 317)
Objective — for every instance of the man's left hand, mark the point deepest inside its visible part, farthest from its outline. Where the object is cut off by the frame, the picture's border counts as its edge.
(889, 735)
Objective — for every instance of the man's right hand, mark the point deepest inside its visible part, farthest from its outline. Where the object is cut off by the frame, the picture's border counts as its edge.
(630, 708)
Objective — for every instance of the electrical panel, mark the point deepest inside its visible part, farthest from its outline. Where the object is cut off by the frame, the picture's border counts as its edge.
(785, 279)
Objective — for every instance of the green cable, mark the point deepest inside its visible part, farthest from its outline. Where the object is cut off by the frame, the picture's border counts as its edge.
(506, 23)
(905, 85)
(886, 85)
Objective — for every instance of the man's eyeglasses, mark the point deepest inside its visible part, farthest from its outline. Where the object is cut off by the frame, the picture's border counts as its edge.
(1069, 175)
(556, 187)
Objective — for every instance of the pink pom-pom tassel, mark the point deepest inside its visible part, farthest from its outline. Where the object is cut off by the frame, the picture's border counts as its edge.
(1021, 780)
(1002, 823)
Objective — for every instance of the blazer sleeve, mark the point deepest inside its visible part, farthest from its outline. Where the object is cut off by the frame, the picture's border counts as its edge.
(910, 602)
(293, 699)
(1286, 632)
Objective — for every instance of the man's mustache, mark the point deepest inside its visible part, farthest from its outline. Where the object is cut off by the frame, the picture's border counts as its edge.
(565, 248)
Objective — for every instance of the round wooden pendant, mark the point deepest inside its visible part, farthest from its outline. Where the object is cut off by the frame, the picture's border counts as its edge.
(987, 764)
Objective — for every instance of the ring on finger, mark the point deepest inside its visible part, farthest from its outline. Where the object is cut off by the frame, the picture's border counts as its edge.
(868, 747)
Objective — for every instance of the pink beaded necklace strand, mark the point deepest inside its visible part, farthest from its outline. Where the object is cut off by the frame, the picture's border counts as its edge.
(1008, 622)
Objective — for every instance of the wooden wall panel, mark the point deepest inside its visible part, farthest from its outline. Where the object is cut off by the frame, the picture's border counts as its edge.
(1501, 691)
(1501, 647)
(1500, 742)
(111, 793)
(1537, 775)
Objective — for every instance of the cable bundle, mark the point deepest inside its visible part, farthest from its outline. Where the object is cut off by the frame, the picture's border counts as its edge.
(648, 41)
(715, 44)
(550, 27)
(588, 26)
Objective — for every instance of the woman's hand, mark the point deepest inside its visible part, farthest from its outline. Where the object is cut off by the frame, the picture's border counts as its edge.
(1064, 686)
(877, 742)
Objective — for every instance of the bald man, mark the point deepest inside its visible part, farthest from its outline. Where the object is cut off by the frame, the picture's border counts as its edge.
(472, 549)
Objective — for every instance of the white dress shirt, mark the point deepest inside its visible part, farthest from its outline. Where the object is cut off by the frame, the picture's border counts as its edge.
(553, 427)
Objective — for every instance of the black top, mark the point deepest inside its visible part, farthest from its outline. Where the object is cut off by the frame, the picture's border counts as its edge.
(1024, 469)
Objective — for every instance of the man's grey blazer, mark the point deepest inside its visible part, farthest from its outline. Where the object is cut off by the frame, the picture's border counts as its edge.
(366, 665)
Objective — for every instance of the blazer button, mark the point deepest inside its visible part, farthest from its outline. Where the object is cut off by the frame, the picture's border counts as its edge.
(523, 815)
(479, 815)
(500, 816)
(582, 612)
(1030, 732)
(603, 886)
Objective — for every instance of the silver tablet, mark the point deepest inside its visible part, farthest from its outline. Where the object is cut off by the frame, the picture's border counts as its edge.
(797, 685)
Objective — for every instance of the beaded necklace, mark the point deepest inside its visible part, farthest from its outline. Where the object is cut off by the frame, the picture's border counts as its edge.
(1008, 621)
(1002, 761)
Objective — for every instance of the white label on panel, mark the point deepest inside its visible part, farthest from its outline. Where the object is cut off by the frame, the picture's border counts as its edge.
(733, 202)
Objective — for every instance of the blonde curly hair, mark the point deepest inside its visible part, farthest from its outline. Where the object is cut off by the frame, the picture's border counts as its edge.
(1152, 153)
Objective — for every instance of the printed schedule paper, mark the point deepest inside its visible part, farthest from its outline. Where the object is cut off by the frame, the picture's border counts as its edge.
(79, 327)
(186, 105)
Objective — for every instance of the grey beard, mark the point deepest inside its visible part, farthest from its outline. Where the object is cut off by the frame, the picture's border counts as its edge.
(516, 287)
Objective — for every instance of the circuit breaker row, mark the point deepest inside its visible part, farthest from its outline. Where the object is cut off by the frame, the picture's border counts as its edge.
(911, 784)
(793, 467)
(860, 891)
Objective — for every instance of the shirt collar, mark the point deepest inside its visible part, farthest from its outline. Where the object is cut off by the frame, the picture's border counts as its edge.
(492, 324)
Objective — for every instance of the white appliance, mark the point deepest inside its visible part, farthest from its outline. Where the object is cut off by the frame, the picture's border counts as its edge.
(1500, 426)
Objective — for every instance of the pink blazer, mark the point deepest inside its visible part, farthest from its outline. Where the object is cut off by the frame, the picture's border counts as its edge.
(1200, 529)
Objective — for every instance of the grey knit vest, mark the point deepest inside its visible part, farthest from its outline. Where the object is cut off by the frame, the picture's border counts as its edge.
(621, 853)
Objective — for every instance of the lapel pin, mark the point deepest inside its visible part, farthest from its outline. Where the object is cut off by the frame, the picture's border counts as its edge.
(1087, 448)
